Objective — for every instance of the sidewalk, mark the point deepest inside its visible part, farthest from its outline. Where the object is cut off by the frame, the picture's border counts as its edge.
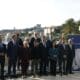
(75, 76)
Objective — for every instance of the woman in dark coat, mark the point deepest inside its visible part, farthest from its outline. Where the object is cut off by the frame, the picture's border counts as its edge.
(53, 55)
(25, 57)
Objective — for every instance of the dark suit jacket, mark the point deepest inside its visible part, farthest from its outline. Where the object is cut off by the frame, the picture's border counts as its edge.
(62, 51)
(19, 44)
(43, 52)
(71, 52)
(12, 50)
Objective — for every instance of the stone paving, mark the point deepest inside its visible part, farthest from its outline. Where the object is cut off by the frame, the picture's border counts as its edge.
(75, 76)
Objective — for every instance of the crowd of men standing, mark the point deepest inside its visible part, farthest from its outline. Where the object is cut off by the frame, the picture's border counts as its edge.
(44, 55)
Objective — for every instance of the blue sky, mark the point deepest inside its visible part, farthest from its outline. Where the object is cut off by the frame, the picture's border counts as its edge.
(27, 13)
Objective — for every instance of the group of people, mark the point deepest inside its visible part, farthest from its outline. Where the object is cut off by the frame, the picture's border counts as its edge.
(41, 54)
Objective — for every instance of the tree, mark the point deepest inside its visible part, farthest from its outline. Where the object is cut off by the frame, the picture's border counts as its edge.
(70, 27)
(78, 24)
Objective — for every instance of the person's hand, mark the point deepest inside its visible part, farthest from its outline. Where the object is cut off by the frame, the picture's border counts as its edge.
(2, 54)
(64, 56)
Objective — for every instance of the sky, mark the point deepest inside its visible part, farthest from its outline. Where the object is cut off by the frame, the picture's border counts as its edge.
(27, 13)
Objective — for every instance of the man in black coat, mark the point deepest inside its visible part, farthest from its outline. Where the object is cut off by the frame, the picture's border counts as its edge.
(31, 45)
(12, 53)
(35, 58)
(43, 59)
(62, 57)
(44, 48)
(71, 55)
(19, 43)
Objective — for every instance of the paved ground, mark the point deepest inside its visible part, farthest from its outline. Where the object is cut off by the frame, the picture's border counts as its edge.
(75, 76)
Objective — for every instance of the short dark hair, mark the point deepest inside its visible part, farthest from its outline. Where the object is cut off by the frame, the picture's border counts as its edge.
(13, 35)
(17, 33)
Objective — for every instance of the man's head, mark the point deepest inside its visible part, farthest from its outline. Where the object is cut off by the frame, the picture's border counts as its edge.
(17, 34)
(70, 41)
(44, 38)
(14, 37)
(36, 35)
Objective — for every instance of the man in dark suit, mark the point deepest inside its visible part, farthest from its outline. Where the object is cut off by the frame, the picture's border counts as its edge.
(62, 57)
(36, 58)
(31, 45)
(19, 43)
(44, 47)
(43, 59)
(71, 55)
(12, 55)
